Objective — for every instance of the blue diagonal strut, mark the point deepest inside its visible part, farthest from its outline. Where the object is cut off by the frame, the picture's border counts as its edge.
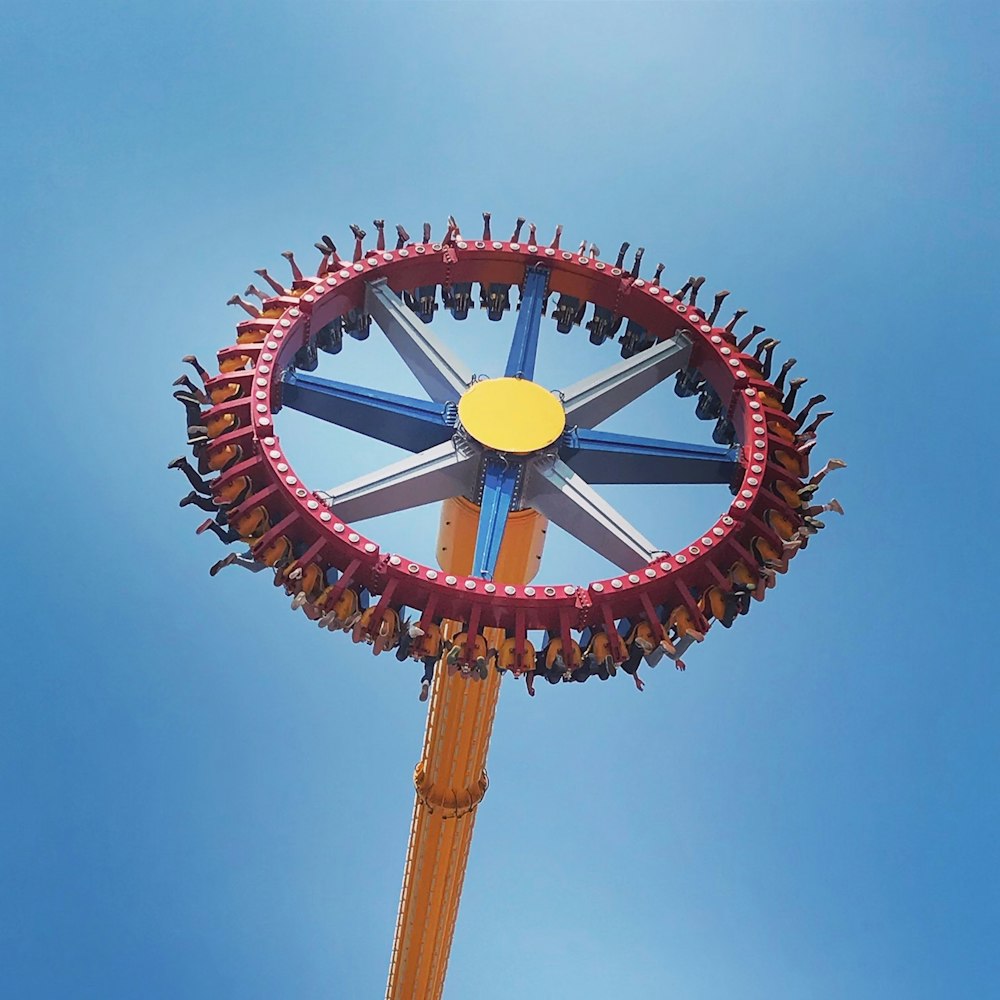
(413, 424)
(499, 483)
(603, 457)
(524, 347)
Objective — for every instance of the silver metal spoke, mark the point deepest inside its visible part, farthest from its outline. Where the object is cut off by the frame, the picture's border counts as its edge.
(598, 396)
(555, 490)
(427, 477)
(442, 374)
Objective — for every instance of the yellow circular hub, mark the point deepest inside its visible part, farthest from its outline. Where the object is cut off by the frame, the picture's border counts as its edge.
(512, 414)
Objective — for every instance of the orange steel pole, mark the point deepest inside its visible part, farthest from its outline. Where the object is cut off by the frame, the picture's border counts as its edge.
(451, 777)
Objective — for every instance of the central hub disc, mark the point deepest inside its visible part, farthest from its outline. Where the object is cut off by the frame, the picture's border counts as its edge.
(512, 414)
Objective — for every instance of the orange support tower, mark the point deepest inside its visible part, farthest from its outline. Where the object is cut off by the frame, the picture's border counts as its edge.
(451, 777)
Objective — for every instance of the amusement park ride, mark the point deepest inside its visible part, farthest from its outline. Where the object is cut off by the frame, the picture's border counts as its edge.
(504, 456)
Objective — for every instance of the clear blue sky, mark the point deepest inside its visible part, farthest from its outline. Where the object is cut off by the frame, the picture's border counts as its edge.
(202, 796)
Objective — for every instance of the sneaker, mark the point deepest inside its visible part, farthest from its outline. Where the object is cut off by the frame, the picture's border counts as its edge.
(189, 359)
(204, 526)
(425, 689)
(835, 505)
(837, 463)
(190, 498)
(176, 463)
(233, 301)
(298, 600)
(359, 233)
(223, 563)
(402, 233)
(414, 630)
(287, 254)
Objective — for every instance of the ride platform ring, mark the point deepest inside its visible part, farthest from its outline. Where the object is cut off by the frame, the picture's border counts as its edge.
(268, 344)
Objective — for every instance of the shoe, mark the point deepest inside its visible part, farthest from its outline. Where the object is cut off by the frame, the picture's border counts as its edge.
(204, 526)
(287, 254)
(837, 463)
(414, 630)
(189, 499)
(797, 381)
(402, 233)
(425, 689)
(234, 300)
(359, 233)
(298, 600)
(176, 463)
(223, 563)
(835, 505)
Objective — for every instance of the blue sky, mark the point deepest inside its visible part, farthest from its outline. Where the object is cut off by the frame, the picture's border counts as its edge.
(206, 797)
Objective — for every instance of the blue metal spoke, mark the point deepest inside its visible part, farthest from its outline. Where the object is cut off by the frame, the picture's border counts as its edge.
(499, 484)
(602, 457)
(524, 347)
(413, 424)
